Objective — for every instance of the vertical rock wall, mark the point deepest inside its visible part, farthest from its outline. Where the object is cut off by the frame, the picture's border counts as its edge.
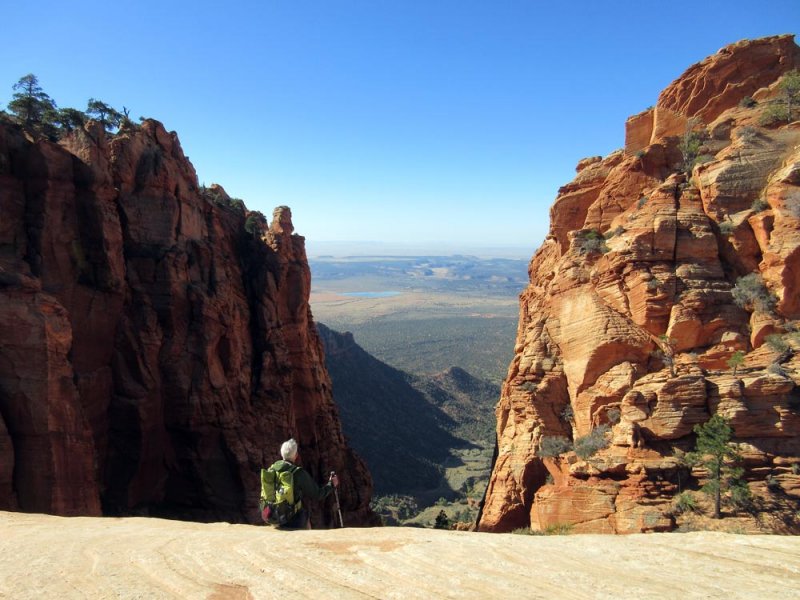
(153, 354)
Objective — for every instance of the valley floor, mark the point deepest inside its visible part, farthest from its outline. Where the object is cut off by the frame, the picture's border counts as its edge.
(80, 557)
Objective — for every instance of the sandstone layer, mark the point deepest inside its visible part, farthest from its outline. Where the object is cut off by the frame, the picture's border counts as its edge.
(154, 351)
(84, 557)
(629, 322)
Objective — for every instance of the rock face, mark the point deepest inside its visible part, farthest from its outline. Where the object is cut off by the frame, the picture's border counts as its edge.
(153, 353)
(629, 321)
(712, 86)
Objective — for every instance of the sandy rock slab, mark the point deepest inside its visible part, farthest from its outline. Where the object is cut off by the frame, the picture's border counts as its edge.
(87, 557)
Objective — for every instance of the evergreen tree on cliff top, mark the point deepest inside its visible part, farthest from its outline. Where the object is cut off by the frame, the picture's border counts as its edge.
(30, 104)
(109, 118)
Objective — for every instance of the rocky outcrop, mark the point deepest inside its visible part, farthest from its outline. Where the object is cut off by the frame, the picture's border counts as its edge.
(713, 86)
(629, 323)
(153, 353)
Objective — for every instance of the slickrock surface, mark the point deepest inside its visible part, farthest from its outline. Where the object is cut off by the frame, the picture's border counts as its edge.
(153, 353)
(637, 272)
(82, 557)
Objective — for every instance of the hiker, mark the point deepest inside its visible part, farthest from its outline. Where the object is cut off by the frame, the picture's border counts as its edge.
(303, 488)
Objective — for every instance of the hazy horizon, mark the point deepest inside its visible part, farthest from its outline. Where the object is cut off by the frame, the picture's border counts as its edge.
(366, 248)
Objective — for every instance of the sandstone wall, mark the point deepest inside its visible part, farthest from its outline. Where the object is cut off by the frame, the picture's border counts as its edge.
(637, 273)
(153, 354)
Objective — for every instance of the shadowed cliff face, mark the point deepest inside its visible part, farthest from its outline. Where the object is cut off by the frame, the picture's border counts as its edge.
(153, 354)
(602, 318)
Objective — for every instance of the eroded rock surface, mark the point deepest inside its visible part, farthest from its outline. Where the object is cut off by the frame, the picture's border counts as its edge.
(629, 323)
(153, 353)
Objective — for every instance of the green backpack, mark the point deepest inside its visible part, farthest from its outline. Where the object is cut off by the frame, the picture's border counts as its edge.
(278, 494)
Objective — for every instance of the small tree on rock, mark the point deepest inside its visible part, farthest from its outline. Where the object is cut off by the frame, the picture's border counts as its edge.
(715, 452)
(736, 360)
(689, 145)
(667, 352)
(790, 86)
(442, 521)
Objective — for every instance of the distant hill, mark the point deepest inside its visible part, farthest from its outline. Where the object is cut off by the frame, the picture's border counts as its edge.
(404, 427)
(467, 400)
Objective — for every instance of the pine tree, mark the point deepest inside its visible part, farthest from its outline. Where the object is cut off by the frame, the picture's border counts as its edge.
(32, 107)
(715, 452)
(109, 118)
(736, 360)
(70, 118)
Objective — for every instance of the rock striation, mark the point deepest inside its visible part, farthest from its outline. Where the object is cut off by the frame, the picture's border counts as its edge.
(629, 324)
(154, 353)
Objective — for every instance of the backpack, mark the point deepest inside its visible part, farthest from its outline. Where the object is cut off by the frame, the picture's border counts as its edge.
(278, 494)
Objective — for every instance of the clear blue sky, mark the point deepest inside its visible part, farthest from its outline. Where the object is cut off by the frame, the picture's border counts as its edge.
(421, 120)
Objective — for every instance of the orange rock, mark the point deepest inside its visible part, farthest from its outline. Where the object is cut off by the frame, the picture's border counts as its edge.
(712, 86)
(637, 336)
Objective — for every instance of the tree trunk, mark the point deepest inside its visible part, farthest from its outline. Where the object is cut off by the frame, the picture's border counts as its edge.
(719, 491)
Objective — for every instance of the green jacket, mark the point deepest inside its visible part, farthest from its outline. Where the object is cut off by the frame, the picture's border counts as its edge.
(304, 485)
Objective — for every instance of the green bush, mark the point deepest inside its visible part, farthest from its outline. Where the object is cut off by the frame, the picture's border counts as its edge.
(776, 342)
(776, 369)
(773, 114)
(759, 204)
(740, 497)
(726, 227)
(593, 243)
(750, 292)
(255, 223)
(442, 521)
(747, 133)
(684, 503)
(747, 102)
(555, 529)
(554, 445)
(588, 445)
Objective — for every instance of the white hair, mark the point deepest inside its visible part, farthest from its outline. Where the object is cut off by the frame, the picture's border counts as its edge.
(289, 450)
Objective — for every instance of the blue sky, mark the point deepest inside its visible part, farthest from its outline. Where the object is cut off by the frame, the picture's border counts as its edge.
(447, 121)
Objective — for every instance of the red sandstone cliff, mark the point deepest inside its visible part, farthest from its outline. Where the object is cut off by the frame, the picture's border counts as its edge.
(153, 354)
(593, 320)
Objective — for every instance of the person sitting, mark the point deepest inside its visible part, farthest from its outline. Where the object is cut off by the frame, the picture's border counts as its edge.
(305, 488)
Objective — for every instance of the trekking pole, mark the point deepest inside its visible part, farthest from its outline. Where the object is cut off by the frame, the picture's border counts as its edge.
(338, 506)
